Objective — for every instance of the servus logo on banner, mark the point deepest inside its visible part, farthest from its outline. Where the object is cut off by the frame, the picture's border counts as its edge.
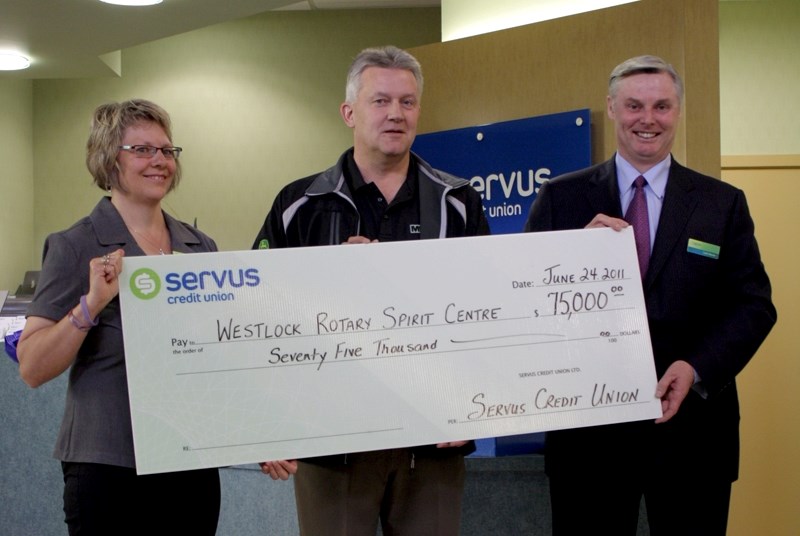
(193, 286)
(508, 162)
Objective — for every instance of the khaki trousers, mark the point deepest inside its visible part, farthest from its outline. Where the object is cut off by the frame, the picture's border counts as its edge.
(410, 495)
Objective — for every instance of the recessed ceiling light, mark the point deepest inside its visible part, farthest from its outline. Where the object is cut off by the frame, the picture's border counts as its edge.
(132, 2)
(13, 62)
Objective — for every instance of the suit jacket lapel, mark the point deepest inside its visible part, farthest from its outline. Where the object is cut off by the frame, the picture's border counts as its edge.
(604, 194)
(679, 203)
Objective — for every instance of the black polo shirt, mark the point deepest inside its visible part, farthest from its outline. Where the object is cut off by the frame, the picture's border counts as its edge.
(387, 222)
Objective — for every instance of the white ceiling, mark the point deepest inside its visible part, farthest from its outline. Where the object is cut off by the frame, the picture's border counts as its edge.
(66, 38)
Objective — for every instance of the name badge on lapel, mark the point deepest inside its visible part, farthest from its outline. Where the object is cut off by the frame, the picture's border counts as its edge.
(704, 249)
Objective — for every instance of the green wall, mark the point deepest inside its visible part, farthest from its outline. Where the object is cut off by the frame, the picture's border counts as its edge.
(16, 182)
(254, 104)
(759, 65)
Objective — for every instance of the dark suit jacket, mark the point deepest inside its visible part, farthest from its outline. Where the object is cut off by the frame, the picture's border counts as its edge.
(713, 313)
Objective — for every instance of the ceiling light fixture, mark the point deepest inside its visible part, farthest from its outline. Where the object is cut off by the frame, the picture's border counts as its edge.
(132, 2)
(13, 62)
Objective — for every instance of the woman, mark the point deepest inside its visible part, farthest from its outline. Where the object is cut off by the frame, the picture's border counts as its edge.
(74, 322)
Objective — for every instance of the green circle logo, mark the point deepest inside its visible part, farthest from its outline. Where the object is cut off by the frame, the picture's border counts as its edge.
(145, 284)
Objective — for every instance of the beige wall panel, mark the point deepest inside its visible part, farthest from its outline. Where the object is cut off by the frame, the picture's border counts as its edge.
(760, 76)
(700, 72)
(766, 496)
(564, 64)
(16, 182)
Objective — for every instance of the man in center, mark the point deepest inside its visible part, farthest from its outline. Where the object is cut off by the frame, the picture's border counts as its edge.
(378, 191)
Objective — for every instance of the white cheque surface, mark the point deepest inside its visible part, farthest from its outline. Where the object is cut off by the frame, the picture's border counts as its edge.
(248, 356)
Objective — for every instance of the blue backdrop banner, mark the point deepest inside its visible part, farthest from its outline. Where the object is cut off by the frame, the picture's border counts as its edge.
(507, 162)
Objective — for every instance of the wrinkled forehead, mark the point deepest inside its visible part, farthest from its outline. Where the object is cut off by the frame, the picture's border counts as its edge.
(660, 81)
(653, 85)
(388, 79)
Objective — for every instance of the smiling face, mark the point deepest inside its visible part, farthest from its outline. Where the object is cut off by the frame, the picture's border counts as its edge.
(145, 180)
(385, 113)
(645, 110)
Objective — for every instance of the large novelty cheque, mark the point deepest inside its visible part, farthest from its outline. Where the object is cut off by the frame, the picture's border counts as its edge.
(259, 355)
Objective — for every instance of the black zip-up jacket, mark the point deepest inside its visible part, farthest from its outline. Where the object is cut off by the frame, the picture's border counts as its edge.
(319, 210)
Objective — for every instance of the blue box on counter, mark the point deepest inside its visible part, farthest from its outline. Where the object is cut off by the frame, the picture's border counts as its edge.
(491, 447)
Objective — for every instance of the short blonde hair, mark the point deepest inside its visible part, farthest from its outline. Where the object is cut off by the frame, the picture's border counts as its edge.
(109, 123)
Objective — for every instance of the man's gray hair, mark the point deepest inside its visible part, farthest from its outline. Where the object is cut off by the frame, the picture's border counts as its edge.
(646, 65)
(388, 57)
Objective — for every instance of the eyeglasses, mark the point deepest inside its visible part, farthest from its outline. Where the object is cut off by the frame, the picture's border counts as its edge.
(148, 151)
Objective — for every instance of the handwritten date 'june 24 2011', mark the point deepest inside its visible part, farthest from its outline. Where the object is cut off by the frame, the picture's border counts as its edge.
(569, 301)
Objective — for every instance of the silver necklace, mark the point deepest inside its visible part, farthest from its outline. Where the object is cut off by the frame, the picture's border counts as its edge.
(155, 245)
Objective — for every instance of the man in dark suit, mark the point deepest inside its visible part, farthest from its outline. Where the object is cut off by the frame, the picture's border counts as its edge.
(709, 309)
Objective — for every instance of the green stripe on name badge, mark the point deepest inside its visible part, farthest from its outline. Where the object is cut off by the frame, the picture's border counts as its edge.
(703, 248)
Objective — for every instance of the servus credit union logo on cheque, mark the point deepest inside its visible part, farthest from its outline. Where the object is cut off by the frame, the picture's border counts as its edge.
(145, 284)
(193, 287)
